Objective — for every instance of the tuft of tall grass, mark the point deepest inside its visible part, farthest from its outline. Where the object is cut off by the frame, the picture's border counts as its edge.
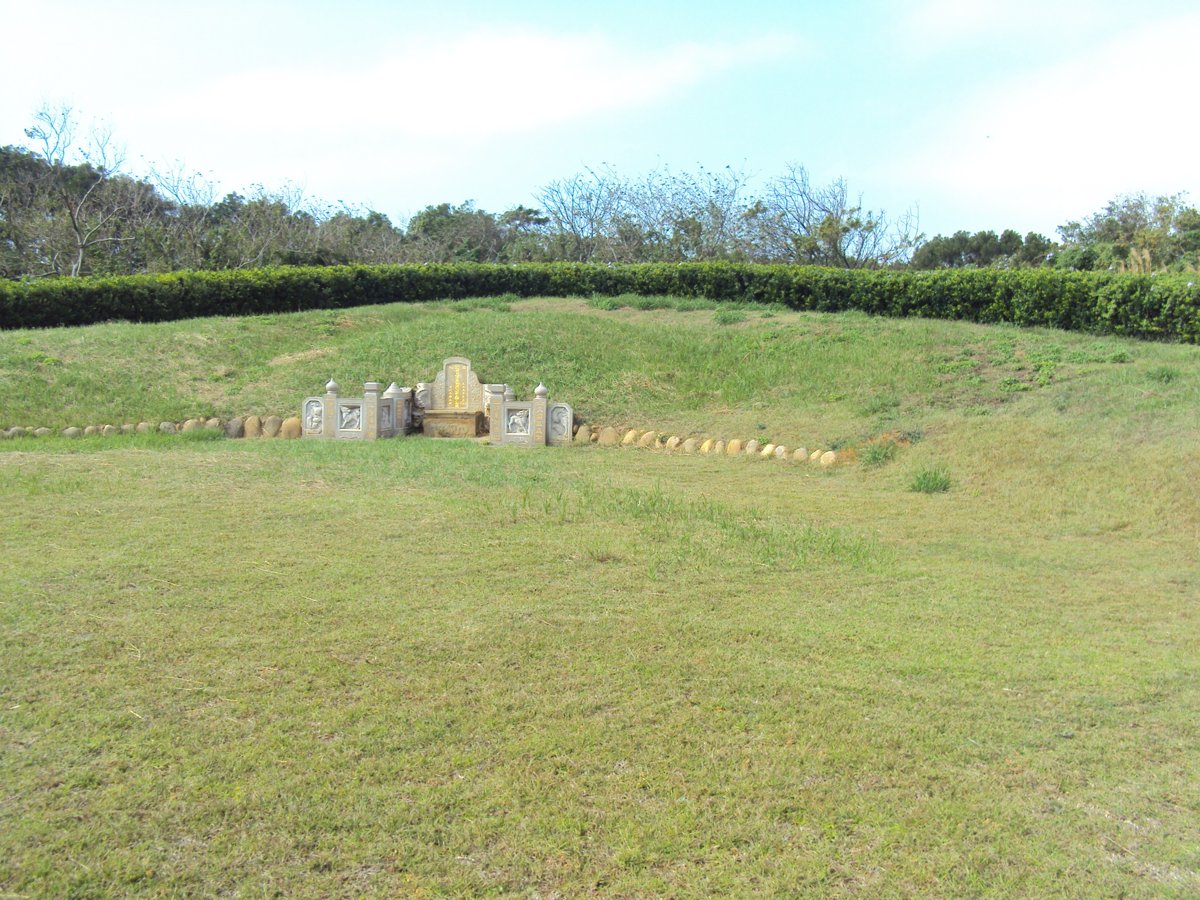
(931, 480)
(877, 454)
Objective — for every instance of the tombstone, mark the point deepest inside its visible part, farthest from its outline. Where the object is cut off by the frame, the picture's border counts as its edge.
(455, 402)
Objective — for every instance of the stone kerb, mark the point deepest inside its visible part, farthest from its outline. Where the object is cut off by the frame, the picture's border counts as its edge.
(750, 449)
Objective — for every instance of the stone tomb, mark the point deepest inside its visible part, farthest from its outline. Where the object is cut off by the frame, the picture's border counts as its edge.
(454, 404)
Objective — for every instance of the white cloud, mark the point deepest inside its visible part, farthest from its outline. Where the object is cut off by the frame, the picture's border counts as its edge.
(425, 109)
(931, 27)
(1057, 143)
(483, 84)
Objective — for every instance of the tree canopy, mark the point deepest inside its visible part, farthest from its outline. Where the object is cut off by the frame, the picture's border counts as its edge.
(68, 208)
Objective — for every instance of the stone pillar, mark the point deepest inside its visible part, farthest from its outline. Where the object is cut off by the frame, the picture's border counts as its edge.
(329, 419)
(493, 400)
(370, 410)
(537, 427)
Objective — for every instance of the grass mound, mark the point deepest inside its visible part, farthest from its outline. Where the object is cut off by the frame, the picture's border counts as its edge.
(437, 668)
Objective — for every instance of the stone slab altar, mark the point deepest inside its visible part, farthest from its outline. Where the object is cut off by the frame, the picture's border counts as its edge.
(453, 424)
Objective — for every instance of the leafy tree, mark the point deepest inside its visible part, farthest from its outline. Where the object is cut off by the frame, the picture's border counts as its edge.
(981, 250)
(1135, 233)
(446, 233)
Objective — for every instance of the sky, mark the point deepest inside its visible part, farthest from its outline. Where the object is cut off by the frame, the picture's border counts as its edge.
(1024, 114)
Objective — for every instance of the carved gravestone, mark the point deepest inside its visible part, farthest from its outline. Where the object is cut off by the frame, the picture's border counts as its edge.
(455, 406)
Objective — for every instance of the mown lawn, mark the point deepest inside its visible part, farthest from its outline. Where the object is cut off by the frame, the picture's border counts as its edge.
(440, 668)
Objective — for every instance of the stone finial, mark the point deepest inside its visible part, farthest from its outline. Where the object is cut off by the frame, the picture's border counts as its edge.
(331, 387)
(541, 391)
(392, 390)
(509, 393)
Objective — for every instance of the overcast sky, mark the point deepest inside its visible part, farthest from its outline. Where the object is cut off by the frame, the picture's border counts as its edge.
(1021, 114)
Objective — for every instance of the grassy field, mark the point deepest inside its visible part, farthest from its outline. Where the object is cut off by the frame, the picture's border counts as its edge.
(429, 668)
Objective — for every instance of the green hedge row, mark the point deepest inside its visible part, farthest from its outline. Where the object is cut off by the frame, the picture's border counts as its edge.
(1158, 306)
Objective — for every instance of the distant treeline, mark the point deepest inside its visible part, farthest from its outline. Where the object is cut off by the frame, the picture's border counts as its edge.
(1158, 306)
(66, 209)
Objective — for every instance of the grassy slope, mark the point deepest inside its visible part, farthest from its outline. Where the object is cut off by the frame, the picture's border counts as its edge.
(438, 667)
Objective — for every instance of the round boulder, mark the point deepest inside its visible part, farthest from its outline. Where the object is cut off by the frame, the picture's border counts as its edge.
(110, 431)
(828, 458)
(235, 428)
(192, 425)
(691, 445)
(91, 430)
(673, 442)
(72, 432)
(42, 432)
(609, 437)
(167, 427)
(752, 447)
(781, 452)
(734, 447)
(128, 428)
(271, 426)
(801, 454)
(630, 438)
(144, 428)
(253, 426)
(814, 456)
(707, 446)
(648, 440)
(291, 428)
(212, 423)
(719, 448)
(767, 451)
(583, 435)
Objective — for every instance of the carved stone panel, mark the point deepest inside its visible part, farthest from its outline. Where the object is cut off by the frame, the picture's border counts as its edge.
(561, 423)
(350, 419)
(313, 417)
(518, 423)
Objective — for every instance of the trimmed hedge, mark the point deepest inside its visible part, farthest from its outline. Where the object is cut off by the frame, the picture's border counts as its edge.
(1153, 306)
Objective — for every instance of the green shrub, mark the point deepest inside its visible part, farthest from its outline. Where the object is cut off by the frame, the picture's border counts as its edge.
(1159, 306)
(931, 480)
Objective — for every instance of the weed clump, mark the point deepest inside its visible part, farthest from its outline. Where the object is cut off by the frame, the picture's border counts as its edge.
(728, 317)
(931, 480)
(875, 455)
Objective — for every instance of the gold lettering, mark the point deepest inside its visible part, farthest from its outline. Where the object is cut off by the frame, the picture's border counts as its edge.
(457, 398)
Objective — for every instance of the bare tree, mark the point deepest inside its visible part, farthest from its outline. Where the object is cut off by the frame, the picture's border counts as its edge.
(583, 212)
(803, 223)
(83, 183)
